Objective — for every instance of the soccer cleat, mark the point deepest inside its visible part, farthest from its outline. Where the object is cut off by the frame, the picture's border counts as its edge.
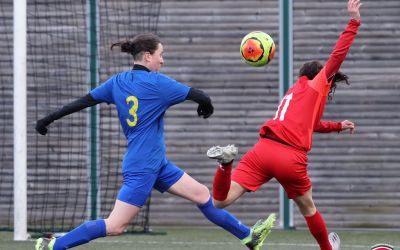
(334, 240)
(259, 232)
(45, 243)
(223, 155)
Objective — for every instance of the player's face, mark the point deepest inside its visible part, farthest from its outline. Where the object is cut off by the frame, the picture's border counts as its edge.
(157, 59)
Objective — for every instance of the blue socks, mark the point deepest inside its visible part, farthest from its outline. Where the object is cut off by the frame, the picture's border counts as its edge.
(91, 230)
(224, 219)
(86, 232)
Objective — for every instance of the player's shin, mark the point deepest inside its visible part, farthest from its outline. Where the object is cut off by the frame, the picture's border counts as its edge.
(222, 182)
(86, 232)
(317, 227)
(224, 219)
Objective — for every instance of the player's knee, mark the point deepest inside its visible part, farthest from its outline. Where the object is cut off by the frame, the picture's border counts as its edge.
(306, 208)
(202, 195)
(114, 229)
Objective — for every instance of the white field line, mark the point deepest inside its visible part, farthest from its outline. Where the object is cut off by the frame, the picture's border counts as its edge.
(225, 243)
(210, 243)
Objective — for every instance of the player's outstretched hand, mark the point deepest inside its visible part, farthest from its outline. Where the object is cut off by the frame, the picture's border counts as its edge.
(205, 110)
(348, 125)
(353, 7)
(41, 126)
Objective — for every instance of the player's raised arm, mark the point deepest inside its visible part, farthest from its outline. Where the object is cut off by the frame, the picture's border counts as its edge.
(353, 8)
(72, 107)
(205, 108)
(345, 40)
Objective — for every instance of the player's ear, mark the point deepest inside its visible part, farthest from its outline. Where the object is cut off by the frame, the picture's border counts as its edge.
(147, 56)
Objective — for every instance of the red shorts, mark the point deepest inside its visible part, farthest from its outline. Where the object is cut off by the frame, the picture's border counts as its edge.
(271, 159)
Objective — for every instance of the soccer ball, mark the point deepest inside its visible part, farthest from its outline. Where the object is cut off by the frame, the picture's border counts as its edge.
(257, 48)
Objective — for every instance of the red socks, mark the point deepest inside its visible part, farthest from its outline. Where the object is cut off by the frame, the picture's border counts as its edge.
(222, 182)
(317, 227)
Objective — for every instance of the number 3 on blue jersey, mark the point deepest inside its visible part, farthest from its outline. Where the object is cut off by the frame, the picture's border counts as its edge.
(132, 110)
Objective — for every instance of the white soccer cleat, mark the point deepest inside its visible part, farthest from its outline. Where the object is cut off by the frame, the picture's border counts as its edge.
(334, 240)
(223, 155)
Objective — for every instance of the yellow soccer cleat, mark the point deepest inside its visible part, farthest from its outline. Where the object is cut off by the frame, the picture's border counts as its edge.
(45, 243)
(259, 232)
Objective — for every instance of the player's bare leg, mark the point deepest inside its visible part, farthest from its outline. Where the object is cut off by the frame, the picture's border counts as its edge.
(190, 189)
(120, 217)
(235, 192)
(314, 219)
(222, 178)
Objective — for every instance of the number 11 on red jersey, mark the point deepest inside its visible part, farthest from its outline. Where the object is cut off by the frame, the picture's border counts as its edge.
(282, 110)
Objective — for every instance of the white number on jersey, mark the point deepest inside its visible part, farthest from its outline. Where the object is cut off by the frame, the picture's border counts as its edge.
(282, 111)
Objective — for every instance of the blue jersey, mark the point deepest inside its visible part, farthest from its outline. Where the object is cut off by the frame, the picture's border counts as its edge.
(141, 99)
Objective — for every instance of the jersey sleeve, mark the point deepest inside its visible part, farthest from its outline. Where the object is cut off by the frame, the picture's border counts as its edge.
(342, 47)
(103, 92)
(327, 127)
(320, 83)
(172, 91)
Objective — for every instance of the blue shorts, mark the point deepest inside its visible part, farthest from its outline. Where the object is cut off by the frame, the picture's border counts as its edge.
(137, 186)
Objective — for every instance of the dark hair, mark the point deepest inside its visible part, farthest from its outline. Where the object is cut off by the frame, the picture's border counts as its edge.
(146, 42)
(311, 69)
(338, 77)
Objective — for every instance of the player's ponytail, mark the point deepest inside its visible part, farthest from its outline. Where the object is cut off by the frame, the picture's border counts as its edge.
(126, 46)
(311, 69)
(338, 77)
(147, 42)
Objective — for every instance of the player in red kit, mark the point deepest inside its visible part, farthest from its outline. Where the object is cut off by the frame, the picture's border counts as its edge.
(281, 151)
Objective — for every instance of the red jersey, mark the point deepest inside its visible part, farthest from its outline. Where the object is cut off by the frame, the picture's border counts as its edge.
(300, 111)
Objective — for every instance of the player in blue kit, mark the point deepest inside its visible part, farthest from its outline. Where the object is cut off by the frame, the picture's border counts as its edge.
(142, 96)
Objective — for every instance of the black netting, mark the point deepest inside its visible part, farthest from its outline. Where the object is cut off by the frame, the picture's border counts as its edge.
(58, 69)
(6, 115)
(119, 20)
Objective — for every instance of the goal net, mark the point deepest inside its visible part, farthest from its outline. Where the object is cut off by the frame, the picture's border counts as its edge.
(59, 177)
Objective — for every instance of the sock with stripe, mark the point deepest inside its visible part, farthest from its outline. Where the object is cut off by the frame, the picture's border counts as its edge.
(224, 219)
